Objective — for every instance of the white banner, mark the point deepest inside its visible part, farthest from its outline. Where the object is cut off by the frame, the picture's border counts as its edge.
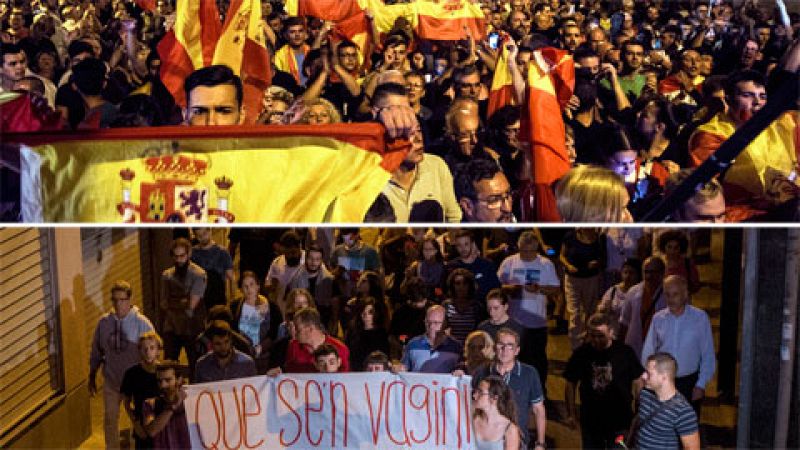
(378, 410)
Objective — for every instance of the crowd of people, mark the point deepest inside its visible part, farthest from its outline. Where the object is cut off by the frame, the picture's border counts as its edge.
(658, 86)
(460, 301)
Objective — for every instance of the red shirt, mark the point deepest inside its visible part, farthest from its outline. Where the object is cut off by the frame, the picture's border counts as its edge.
(299, 358)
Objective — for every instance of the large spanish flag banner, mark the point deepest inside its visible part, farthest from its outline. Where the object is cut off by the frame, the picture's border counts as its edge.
(293, 173)
(334, 10)
(551, 80)
(242, 47)
(448, 19)
(190, 44)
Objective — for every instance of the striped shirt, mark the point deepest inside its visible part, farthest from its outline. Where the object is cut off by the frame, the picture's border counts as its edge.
(663, 429)
(462, 321)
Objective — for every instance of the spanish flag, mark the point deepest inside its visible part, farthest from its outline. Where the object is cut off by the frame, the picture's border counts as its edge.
(356, 29)
(501, 93)
(242, 47)
(446, 19)
(334, 10)
(773, 153)
(292, 173)
(384, 16)
(551, 80)
(286, 62)
(190, 45)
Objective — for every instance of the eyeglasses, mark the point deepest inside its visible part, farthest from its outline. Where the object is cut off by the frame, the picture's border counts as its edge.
(497, 201)
(467, 135)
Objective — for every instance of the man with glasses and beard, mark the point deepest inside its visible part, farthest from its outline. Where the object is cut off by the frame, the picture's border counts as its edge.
(608, 372)
(182, 288)
(223, 362)
(483, 192)
(114, 347)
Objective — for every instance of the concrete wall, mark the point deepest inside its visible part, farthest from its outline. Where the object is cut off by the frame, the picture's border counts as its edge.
(64, 423)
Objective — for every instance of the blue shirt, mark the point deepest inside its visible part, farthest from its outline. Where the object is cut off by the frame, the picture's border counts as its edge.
(663, 423)
(687, 338)
(526, 386)
(420, 356)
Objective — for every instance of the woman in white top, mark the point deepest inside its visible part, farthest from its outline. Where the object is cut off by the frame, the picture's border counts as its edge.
(614, 298)
(493, 416)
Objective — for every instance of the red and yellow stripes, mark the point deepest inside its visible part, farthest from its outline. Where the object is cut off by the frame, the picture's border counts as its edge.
(551, 79)
(448, 19)
(293, 173)
(501, 93)
(242, 47)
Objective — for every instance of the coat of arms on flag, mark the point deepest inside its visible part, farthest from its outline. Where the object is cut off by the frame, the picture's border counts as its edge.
(174, 194)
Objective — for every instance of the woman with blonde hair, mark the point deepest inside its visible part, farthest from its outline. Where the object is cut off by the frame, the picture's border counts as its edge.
(493, 416)
(319, 112)
(592, 194)
(478, 351)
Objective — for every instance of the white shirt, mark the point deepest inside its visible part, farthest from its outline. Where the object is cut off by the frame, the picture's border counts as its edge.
(530, 309)
(284, 274)
(687, 338)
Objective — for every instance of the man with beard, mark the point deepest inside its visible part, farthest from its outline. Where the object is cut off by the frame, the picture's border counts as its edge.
(316, 278)
(607, 371)
(182, 288)
(483, 192)
(683, 331)
(571, 37)
(764, 175)
(285, 268)
(420, 177)
(353, 257)
(223, 362)
(217, 263)
(469, 257)
(165, 416)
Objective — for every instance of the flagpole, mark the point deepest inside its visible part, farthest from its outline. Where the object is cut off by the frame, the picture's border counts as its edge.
(784, 99)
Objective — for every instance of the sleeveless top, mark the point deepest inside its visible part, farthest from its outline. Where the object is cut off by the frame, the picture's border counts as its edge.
(491, 445)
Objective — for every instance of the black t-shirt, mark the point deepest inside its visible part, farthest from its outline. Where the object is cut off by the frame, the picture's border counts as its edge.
(140, 385)
(605, 377)
(580, 254)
